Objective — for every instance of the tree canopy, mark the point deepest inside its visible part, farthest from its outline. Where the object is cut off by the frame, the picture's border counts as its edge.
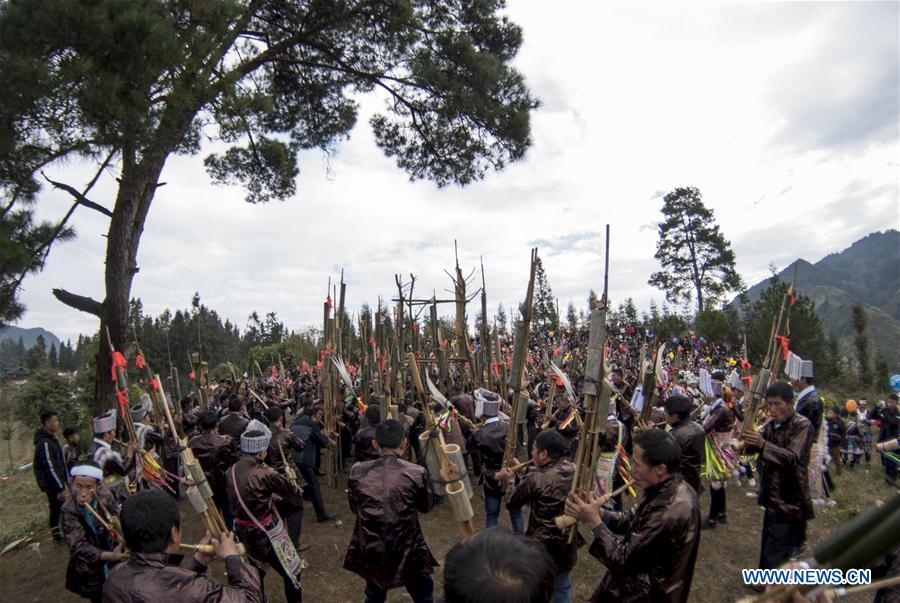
(697, 261)
(127, 83)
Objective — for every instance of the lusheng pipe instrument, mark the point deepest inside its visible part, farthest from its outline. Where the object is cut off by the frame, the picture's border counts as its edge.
(772, 362)
(199, 493)
(449, 471)
(596, 397)
(517, 415)
(564, 521)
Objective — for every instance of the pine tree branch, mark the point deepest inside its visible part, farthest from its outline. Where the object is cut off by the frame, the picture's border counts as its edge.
(79, 198)
(79, 302)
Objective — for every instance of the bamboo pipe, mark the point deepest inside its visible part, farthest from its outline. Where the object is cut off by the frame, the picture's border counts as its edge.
(565, 521)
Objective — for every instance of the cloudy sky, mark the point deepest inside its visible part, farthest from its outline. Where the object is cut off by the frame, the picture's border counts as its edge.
(785, 116)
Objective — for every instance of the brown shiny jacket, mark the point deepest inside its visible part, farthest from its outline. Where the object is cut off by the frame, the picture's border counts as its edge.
(465, 404)
(783, 465)
(692, 439)
(490, 441)
(719, 420)
(654, 561)
(216, 453)
(283, 442)
(387, 546)
(146, 577)
(233, 424)
(85, 574)
(545, 490)
(256, 483)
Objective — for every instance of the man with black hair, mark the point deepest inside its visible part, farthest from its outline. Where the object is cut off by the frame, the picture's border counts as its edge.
(216, 453)
(190, 417)
(718, 422)
(545, 489)
(281, 448)
(71, 453)
(387, 494)
(252, 490)
(490, 443)
(783, 464)
(690, 437)
(463, 402)
(234, 422)
(808, 404)
(309, 429)
(91, 547)
(890, 429)
(50, 467)
(654, 560)
(624, 412)
(364, 440)
(566, 421)
(498, 565)
(152, 528)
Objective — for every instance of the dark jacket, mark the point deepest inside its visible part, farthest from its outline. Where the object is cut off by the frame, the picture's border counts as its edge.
(284, 442)
(49, 462)
(783, 465)
(465, 404)
(146, 577)
(692, 439)
(85, 573)
(363, 444)
(256, 483)
(490, 441)
(810, 406)
(310, 433)
(719, 420)
(655, 559)
(216, 453)
(190, 423)
(545, 490)
(836, 431)
(890, 424)
(387, 546)
(233, 424)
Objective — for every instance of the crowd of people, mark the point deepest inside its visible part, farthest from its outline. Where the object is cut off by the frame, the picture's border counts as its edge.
(260, 444)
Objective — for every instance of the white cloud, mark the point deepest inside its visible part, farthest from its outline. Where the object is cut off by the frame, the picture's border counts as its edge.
(637, 98)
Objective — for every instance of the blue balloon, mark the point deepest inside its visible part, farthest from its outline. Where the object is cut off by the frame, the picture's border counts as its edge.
(895, 383)
(701, 338)
(675, 340)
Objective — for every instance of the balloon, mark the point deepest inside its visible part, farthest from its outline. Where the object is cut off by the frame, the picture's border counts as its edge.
(850, 406)
(701, 338)
(732, 362)
(895, 383)
(671, 355)
(675, 340)
(693, 337)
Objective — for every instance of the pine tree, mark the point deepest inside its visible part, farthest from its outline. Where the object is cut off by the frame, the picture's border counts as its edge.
(502, 321)
(65, 356)
(697, 261)
(861, 341)
(544, 316)
(52, 357)
(264, 80)
(572, 317)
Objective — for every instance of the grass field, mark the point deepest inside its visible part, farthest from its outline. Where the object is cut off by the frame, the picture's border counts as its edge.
(37, 574)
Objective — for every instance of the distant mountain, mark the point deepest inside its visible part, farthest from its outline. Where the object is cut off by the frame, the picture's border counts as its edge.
(29, 336)
(867, 272)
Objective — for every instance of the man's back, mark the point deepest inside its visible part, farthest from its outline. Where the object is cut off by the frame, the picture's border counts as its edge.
(147, 579)
(387, 546)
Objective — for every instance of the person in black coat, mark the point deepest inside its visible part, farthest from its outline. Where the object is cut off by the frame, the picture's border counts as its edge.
(50, 467)
(308, 429)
